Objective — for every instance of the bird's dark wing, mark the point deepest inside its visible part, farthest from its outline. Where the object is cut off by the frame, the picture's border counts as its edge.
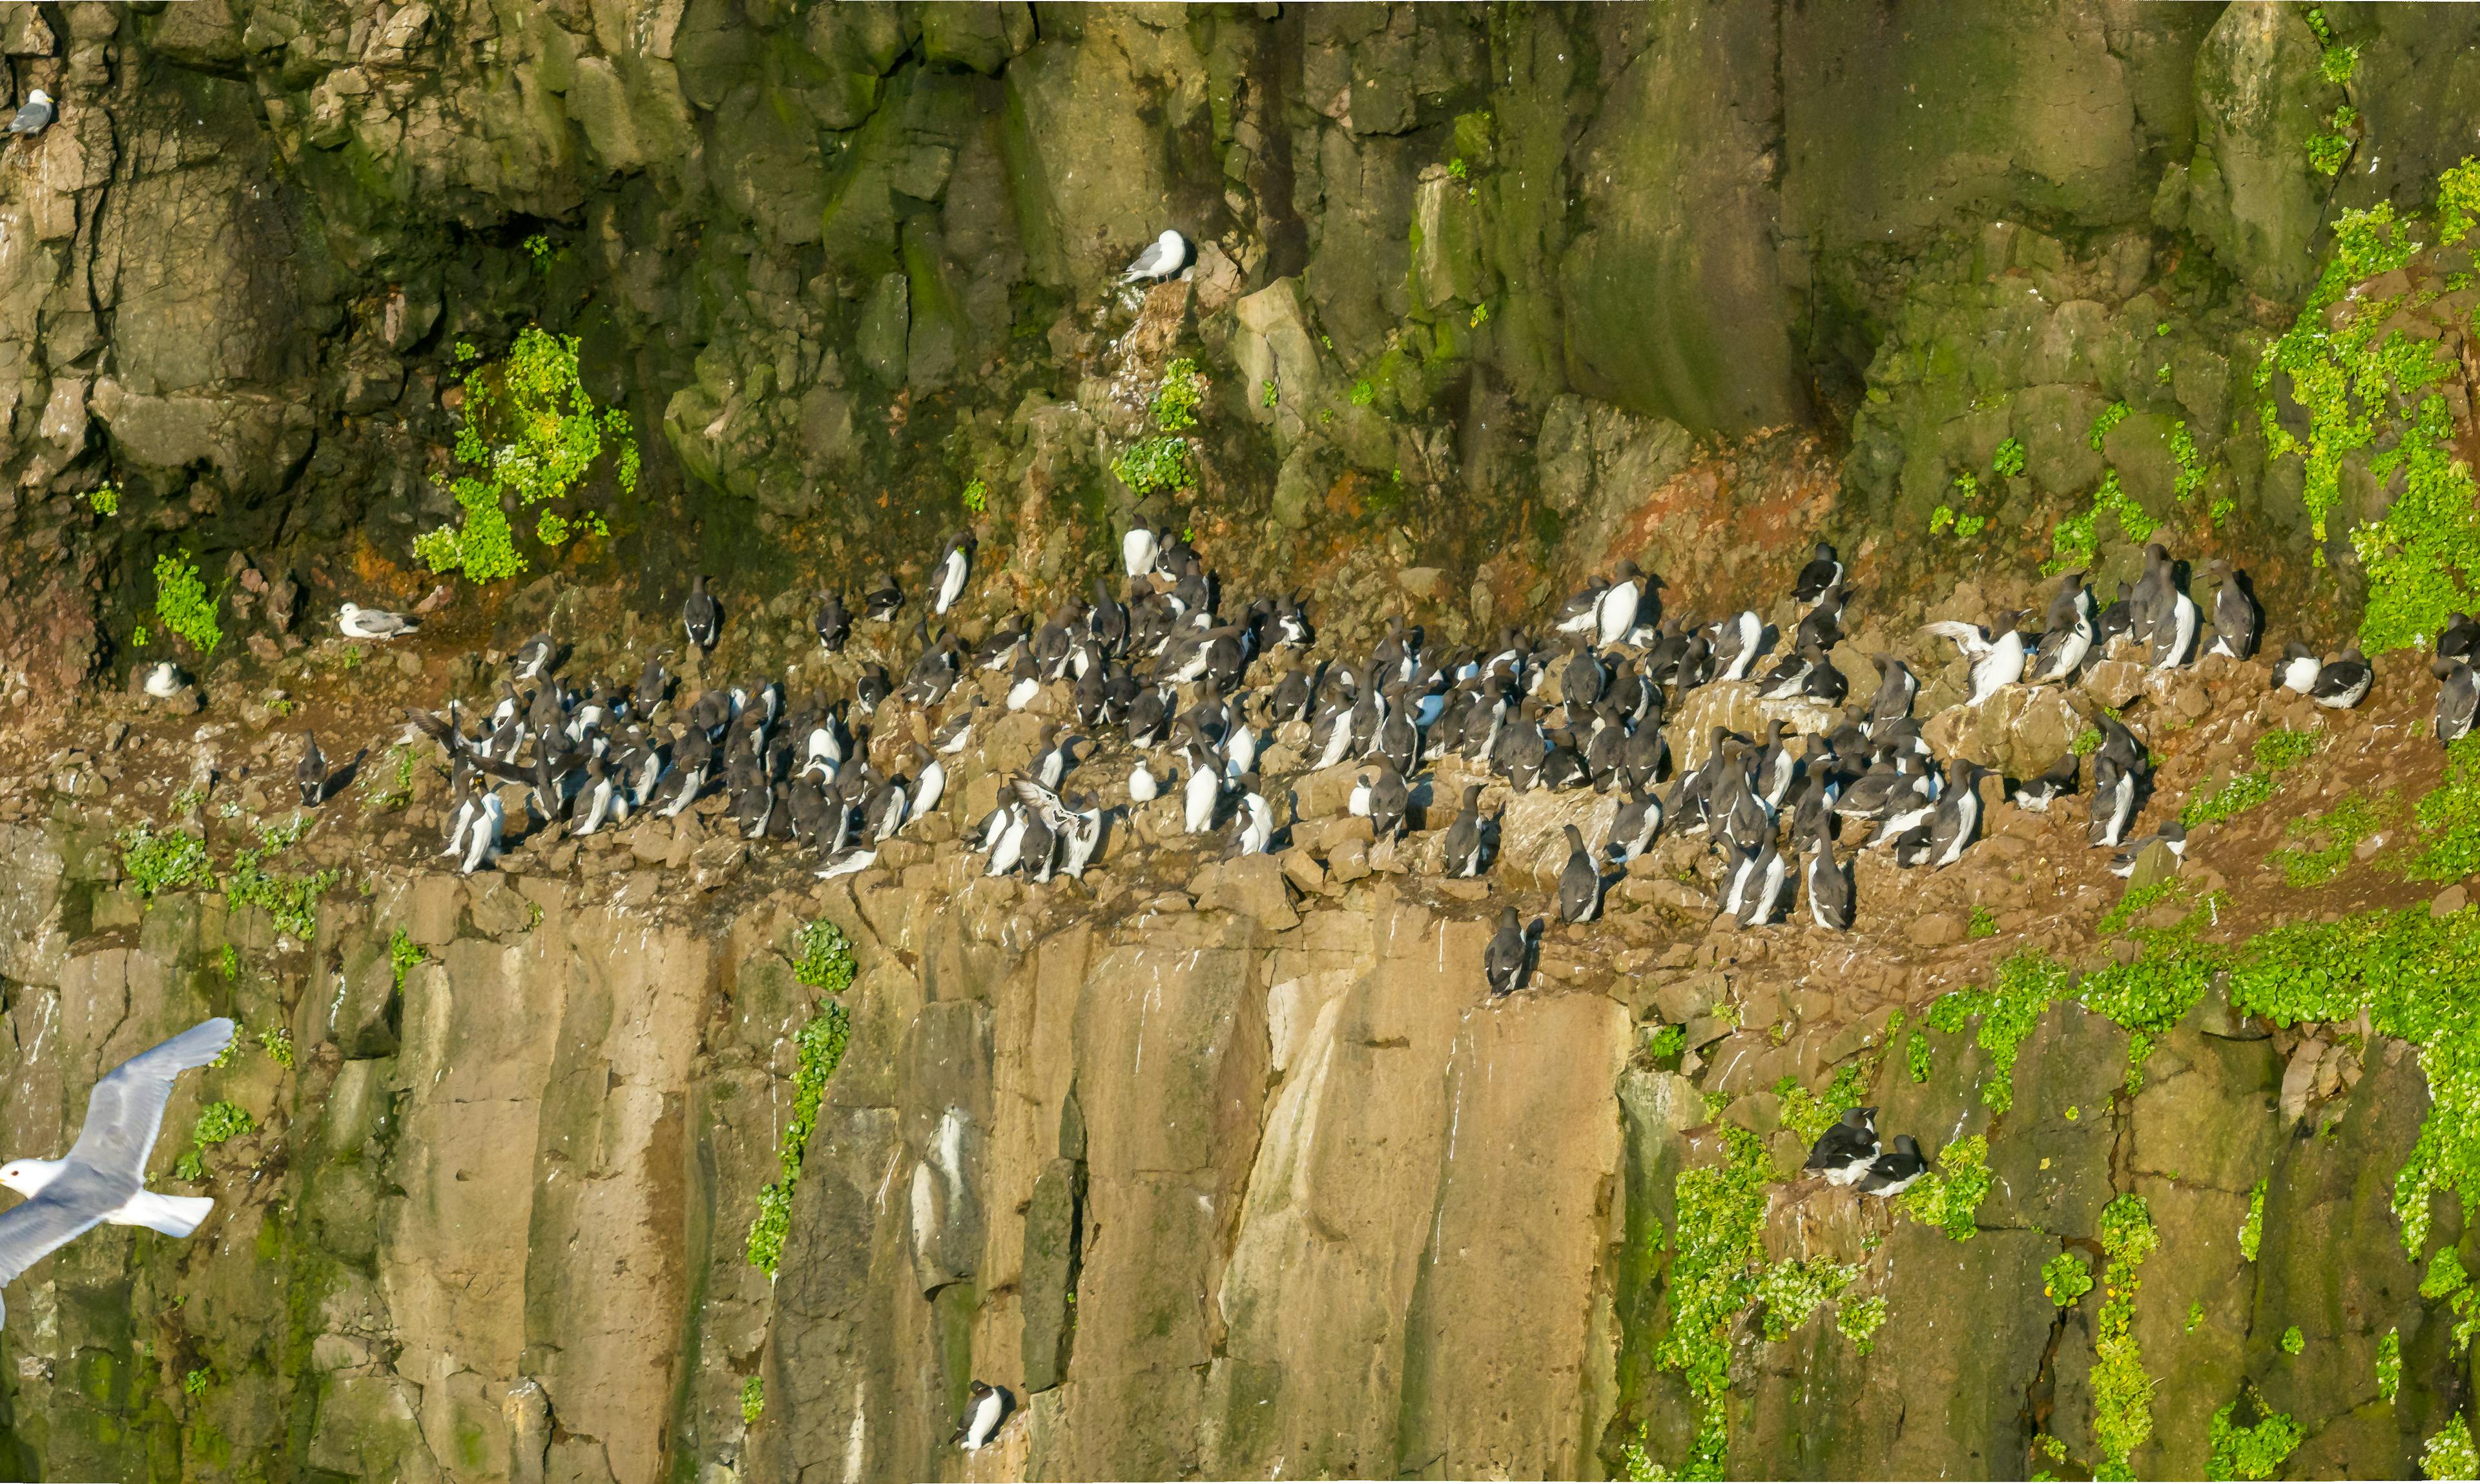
(35, 1228)
(127, 1105)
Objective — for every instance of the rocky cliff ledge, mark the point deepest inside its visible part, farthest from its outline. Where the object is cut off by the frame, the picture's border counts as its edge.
(1235, 1167)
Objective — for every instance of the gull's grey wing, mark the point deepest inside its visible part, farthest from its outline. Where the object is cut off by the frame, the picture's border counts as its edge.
(127, 1105)
(34, 1228)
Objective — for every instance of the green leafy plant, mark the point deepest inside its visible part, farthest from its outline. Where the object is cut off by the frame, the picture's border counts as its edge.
(2390, 1363)
(2254, 1452)
(753, 1399)
(218, 1123)
(2075, 541)
(1984, 923)
(183, 605)
(2292, 1341)
(819, 1049)
(1267, 394)
(822, 956)
(1175, 405)
(977, 496)
(196, 1382)
(1949, 1196)
(1667, 1043)
(2350, 821)
(403, 953)
(2110, 416)
(291, 901)
(2448, 1453)
(1859, 1319)
(104, 498)
(531, 433)
(538, 247)
(1363, 392)
(2445, 1282)
(231, 961)
(1480, 316)
(155, 864)
(1716, 1256)
(2252, 1229)
(278, 1043)
(2449, 817)
(2008, 460)
(2275, 753)
(2122, 1393)
(2066, 1278)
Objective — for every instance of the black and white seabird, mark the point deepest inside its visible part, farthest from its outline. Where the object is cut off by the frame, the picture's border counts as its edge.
(1634, 827)
(1165, 257)
(1829, 887)
(1890, 1173)
(527, 663)
(1823, 570)
(35, 114)
(883, 601)
(164, 681)
(2298, 669)
(2457, 698)
(2344, 683)
(1389, 801)
(1895, 687)
(311, 774)
(355, 622)
(1614, 613)
(2173, 835)
(2460, 638)
(984, 1411)
(2239, 621)
(1467, 846)
(1580, 883)
(1843, 1152)
(834, 626)
(947, 579)
(1504, 962)
(2036, 794)
(1255, 818)
(700, 616)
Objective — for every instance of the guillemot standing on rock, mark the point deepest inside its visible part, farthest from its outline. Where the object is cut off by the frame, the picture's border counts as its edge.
(2239, 621)
(833, 625)
(1823, 570)
(1996, 652)
(2458, 697)
(1843, 1152)
(948, 580)
(2298, 669)
(1503, 962)
(1580, 881)
(1890, 1173)
(700, 616)
(2342, 684)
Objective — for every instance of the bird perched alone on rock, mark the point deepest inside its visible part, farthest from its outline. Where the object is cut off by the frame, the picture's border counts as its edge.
(359, 622)
(1890, 1173)
(164, 680)
(1503, 963)
(700, 616)
(103, 1177)
(1165, 257)
(34, 116)
(312, 772)
(985, 1408)
(1843, 1152)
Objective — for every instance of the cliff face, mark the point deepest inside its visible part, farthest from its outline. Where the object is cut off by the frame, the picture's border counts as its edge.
(1223, 1171)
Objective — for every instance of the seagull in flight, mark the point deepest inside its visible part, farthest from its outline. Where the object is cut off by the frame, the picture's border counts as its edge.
(104, 1177)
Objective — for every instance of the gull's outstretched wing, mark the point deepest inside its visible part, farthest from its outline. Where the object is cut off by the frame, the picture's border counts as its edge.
(33, 1229)
(127, 1105)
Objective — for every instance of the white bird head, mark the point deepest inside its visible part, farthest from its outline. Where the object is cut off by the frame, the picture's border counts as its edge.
(347, 611)
(28, 1177)
(38, 96)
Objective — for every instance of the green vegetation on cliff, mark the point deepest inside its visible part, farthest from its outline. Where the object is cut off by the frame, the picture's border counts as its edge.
(183, 603)
(534, 434)
(823, 960)
(2362, 378)
(2122, 1393)
(2251, 1452)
